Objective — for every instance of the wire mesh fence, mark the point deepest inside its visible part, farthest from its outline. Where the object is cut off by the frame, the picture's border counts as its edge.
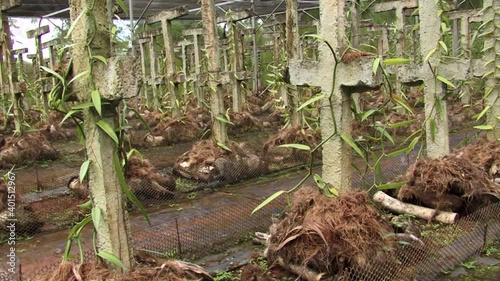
(213, 230)
(438, 254)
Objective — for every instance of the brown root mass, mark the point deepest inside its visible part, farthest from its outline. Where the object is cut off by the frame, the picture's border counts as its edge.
(461, 115)
(207, 161)
(148, 269)
(252, 272)
(142, 179)
(326, 235)
(290, 135)
(484, 154)
(396, 117)
(146, 182)
(57, 133)
(349, 56)
(188, 128)
(242, 122)
(449, 183)
(29, 147)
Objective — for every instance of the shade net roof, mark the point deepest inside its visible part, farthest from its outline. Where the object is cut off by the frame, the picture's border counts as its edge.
(146, 8)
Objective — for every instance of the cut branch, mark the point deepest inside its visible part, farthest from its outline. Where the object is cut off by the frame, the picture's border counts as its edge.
(418, 211)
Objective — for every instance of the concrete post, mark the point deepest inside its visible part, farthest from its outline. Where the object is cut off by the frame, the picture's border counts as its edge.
(184, 45)
(52, 55)
(278, 43)
(37, 35)
(337, 154)
(153, 77)
(256, 62)
(437, 133)
(492, 46)
(237, 63)
(91, 37)
(456, 18)
(143, 42)
(336, 115)
(237, 67)
(211, 46)
(462, 34)
(399, 7)
(198, 92)
(224, 47)
(292, 49)
(166, 17)
(18, 53)
(355, 23)
(9, 74)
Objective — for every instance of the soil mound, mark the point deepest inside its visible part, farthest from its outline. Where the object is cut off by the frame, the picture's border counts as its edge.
(207, 162)
(25, 148)
(321, 236)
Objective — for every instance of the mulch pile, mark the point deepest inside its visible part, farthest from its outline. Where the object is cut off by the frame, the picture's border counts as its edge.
(148, 269)
(460, 182)
(321, 236)
(25, 148)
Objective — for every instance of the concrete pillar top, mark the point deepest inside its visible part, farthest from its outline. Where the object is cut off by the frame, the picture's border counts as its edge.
(20, 51)
(192, 32)
(150, 33)
(400, 4)
(37, 32)
(169, 14)
(51, 43)
(235, 16)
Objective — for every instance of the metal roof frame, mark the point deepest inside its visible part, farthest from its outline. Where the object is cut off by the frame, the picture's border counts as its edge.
(146, 8)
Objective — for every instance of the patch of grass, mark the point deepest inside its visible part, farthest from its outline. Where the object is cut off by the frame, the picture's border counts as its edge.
(493, 250)
(481, 272)
(469, 265)
(182, 184)
(262, 262)
(246, 238)
(225, 276)
(191, 195)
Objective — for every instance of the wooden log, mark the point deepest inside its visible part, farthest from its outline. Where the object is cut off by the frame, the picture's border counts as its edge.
(418, 211)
